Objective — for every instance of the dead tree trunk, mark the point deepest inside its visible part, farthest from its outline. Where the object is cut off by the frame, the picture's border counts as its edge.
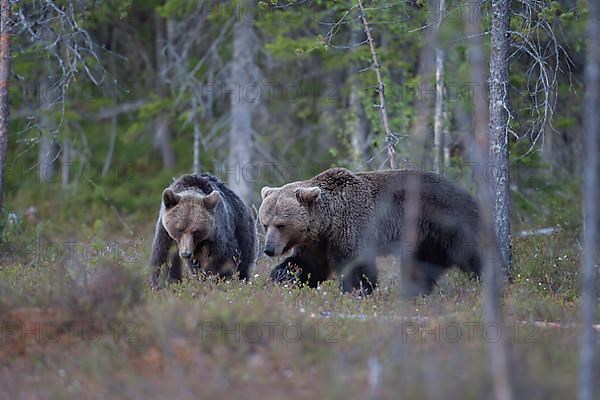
(243, 73)
(390, 138)
(589, 278)
(498, 88)
(4, 80)
(499, 362)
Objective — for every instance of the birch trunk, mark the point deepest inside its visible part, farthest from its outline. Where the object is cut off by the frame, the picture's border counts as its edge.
(438, 123)
(446, 138)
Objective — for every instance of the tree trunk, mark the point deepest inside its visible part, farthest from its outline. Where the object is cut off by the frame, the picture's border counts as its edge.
(359, 127)
(422, 103)
(241, 133)
(4, 81)
(196, 162)
(438, 124)
(197, 137)
(499, 361)
(441, 133)
(359, 123)
(446, 137)
(48, 153)
(111, 146)
(114, 119)
(162, 123)
(589, 278)
(163, 139)
(67, 157)
(498, 88)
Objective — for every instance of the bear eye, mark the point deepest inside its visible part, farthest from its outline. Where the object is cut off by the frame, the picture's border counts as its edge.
(279, 226)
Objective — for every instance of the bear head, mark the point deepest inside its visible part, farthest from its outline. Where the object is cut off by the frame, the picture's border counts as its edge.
(286, 216)
(189, 218)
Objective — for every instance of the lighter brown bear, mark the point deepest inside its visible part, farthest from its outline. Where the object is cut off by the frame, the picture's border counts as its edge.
(341, 221)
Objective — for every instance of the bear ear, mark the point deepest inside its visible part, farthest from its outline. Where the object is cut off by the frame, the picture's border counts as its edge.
(308, 196)
(267, 191)
(211, 200)
(170, 198)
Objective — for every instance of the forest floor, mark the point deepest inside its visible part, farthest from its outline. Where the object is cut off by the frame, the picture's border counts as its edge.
(91, 329)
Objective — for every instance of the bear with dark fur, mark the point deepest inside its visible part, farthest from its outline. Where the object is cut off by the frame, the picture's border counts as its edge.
(341, 221)
(213, 229)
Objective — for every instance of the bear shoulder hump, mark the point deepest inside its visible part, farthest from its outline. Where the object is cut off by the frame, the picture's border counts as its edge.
(336, 178)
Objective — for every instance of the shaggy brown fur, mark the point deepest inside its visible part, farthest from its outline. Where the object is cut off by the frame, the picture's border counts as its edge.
(340, 221)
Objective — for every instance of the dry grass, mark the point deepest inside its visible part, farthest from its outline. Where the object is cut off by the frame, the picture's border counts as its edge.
(258, 340)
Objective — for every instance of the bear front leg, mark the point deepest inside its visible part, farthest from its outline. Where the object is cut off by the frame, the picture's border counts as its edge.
(419, 278)
(175, 272)
(293, 269)
(244, 271)
(288, 271)
(359, 275)
(160, 252)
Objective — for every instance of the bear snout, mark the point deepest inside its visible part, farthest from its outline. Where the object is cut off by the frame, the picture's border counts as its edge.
(185, 254)
(269, 251)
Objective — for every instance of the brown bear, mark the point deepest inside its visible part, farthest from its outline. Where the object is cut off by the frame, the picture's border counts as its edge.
(341, 221)
(213, 229)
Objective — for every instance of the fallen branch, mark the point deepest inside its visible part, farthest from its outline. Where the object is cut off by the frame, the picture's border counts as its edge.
(537, 232)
